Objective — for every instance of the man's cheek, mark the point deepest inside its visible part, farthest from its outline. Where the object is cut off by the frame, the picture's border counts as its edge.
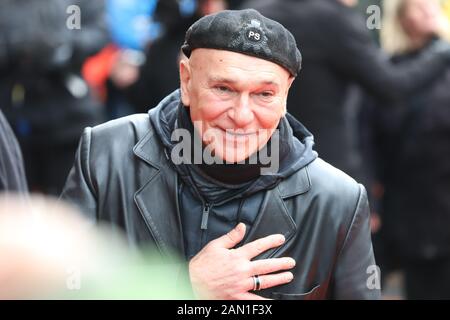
(212, 112)
(270, 119)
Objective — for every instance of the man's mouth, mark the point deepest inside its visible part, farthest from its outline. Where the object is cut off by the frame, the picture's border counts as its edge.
(238, 133)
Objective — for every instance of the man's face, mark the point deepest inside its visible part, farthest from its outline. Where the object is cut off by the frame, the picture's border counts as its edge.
(236, 101)
(421, 18)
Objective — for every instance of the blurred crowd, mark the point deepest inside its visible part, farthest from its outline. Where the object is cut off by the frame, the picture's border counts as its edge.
(376, 99)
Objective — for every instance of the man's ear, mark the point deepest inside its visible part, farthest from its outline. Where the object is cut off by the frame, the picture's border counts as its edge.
(185, 78)
(290, 81)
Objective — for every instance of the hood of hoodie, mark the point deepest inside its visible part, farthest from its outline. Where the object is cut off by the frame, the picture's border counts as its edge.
(296, 145)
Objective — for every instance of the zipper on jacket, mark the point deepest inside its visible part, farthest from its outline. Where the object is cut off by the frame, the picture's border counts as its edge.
(204, 224)
(205, 216)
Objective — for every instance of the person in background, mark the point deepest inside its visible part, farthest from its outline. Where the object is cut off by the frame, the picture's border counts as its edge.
(339, 51)
(408, 145)
(159, 75)
(133, 28)
(42, 94)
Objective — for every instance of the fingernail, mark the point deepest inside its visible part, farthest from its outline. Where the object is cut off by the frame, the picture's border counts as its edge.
(292, 262)
(281, 239)
(289, 276)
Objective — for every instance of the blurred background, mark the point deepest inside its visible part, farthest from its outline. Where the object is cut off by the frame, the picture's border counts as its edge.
(373, 90)
(49, 251)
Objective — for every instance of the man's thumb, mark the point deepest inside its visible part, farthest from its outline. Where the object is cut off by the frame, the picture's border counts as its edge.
(233, 237)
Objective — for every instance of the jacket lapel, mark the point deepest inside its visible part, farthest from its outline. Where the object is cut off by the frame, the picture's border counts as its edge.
(157, 197)
(274, 217)
(157, 201)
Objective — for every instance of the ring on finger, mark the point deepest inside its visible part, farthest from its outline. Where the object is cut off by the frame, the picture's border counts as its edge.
(256, 283)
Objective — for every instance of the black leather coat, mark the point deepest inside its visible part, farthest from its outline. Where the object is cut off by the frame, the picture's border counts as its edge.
(12, 173)
(123, 176)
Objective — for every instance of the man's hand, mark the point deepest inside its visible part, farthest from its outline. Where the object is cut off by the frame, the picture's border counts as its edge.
(220, 272)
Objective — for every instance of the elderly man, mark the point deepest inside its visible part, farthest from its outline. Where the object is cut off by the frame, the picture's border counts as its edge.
(220, 173)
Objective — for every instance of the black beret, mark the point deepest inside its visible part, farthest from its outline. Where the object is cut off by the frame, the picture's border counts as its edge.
(248, 32)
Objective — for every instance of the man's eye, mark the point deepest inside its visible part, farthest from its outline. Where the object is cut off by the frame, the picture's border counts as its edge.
(266, 94)
(223, 89)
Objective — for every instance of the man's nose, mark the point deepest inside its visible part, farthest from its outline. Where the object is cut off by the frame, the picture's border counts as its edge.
(241, 113)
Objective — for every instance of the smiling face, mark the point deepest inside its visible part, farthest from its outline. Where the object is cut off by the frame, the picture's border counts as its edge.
(236, 101)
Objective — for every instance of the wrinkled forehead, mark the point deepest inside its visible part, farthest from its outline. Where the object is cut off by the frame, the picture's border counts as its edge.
(229, 63)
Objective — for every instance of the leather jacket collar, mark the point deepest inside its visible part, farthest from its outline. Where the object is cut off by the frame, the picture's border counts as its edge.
(164, 220)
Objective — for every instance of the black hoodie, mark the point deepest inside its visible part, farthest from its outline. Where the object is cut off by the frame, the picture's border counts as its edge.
(210, 208)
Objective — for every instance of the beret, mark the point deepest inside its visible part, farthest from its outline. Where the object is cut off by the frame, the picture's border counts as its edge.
(247, 32)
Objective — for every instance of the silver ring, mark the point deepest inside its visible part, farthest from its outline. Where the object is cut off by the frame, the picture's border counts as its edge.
(256, 283)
